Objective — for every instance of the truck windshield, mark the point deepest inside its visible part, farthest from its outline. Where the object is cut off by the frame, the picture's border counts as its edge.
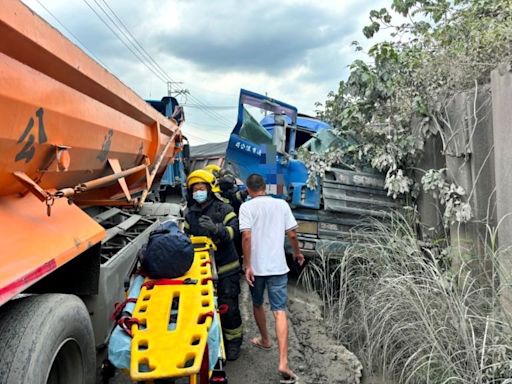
(322, 141)
(253, 131)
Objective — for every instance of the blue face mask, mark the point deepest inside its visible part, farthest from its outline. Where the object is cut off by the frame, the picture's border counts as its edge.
(200, 196)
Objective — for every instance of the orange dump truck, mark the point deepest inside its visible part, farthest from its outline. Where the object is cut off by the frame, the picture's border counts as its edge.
(79, 155)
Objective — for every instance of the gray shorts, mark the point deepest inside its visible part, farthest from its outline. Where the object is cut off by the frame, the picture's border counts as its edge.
(277, 290)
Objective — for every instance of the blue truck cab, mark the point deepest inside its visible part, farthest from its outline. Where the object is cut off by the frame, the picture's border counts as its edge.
(270, 147)
(174, 177)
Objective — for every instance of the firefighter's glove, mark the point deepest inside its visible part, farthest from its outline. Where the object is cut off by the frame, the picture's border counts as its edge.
(208, 224)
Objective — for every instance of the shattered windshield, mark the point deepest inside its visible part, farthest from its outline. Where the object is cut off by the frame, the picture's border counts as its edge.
(325, 140)
(253, 131)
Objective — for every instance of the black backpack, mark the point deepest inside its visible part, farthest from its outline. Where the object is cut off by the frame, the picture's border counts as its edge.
(168, 254)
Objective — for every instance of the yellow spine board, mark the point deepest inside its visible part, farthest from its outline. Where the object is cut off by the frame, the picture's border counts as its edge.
(170, 342)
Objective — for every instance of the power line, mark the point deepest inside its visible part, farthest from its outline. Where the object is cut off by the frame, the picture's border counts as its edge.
(154, 64)
(122, 41)
(210, 124)
(136, 44)
(140, 55)
(211, 106)
(215, 135)
(196, 137)
(139, 52)
(84, 47)
(131, 39)
(212, 113)
(160, 69)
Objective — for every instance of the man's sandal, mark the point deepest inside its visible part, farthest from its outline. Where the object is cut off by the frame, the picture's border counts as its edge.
(287, 377)
(256, 341)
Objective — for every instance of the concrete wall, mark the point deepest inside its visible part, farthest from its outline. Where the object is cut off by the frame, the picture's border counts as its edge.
(501, 84)
(469, 158)
(470, 164)
(478, 157)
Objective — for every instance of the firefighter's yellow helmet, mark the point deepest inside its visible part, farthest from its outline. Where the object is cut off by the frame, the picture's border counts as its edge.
(213, 169)
(203, 176)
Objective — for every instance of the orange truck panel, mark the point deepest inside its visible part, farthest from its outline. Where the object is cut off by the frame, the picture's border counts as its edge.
(34, 244)
(63, 117)
(38, 121)
(29, 39)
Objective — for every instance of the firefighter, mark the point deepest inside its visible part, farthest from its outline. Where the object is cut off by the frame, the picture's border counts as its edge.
(209, 216)
(231, 194)
(231, 191)
(214, 169)
(227, 187)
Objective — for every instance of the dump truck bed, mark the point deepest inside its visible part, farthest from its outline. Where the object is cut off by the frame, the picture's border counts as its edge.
(69, 130)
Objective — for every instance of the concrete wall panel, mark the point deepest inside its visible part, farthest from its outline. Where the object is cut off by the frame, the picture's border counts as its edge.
(501, 84)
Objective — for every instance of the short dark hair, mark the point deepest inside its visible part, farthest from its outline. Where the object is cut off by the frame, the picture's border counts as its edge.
(255, 182)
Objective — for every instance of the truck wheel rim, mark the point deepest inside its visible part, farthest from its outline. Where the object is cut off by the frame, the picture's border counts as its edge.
(67, 366)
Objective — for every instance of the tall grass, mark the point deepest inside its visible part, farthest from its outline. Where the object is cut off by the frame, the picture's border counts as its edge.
(407, 317)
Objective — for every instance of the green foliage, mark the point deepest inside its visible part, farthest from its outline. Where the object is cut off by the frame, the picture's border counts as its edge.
(398, 99)
(449, 194)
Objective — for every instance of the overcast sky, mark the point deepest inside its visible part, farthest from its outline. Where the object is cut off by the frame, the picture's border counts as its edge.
(294, 50)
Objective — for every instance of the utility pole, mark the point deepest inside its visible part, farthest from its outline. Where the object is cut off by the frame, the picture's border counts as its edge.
(178, 91)
(169, 87)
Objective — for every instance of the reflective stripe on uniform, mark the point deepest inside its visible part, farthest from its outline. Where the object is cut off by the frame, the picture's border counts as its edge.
(231, 232)
(219, 197)
(230, 216)
(186, 225)
(231, 334)
(228, 267)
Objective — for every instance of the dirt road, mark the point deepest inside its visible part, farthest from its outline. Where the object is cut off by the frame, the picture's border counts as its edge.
(313, 355)
(256, 365)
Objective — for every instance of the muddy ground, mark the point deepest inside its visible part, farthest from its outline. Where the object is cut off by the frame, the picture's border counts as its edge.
(314, 356)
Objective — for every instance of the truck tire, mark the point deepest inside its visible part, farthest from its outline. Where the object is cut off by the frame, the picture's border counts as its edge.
(46, 339)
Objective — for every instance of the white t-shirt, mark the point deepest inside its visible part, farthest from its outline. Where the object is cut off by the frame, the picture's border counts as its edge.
(268, 219)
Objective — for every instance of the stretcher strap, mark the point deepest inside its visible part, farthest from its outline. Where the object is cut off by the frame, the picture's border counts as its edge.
(118, 307)
(126, 322)
(204, 316)
(151, 283)
(205, 365)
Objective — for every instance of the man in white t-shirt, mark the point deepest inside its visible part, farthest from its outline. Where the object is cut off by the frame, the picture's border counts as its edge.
(264, 221)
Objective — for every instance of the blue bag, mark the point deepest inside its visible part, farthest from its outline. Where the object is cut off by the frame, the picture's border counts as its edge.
(168, 254)
(214, 341)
